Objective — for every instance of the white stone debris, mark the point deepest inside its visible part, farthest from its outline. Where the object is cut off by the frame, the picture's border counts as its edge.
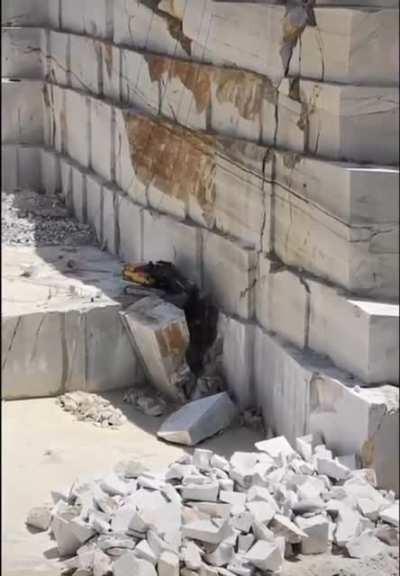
(39, 518)
(92, 408)
(198, 420)
(391, 514)
(182, 522)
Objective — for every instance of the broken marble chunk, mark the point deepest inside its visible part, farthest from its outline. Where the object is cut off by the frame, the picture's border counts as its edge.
(198, 420)
(39, 518)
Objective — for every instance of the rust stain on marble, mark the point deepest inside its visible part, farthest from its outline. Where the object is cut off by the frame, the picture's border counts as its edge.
(245, 90)
(172, 341)
(178, 162)
(195, 78)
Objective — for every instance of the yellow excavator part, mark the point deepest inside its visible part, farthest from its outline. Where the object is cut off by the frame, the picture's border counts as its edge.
(134, 274)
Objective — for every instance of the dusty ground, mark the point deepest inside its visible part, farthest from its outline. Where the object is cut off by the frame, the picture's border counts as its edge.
(32, 219)
(45, 448)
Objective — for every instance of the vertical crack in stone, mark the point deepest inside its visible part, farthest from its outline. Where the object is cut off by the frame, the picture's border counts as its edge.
(296, 18)
(36, 337)
(64, 353)
(174, 25)
(307, 312)
(12, 340)
(117, 231)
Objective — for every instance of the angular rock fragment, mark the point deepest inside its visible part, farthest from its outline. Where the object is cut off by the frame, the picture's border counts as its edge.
(277, 448)
(39, 517)
(282, 526)
(367, 545)
(209, 531)
(265, 556)
(317, 530)
(391, 514)
(198, 420)
(128, 564)
(332, 468)
(168, 564)
(160, 334)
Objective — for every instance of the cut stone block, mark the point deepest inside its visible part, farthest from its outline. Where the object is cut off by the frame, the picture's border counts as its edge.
(160, 334)
(339, 120)
(205, 492)
(348, 525)
(265, 556)
(21, 53)
(67, 542)
(94, 192)
(46, 350)
(287, 379)
(168, 564)
(308, 313)
(232, 35)
(79, 202)
(282, 526)
(128, 563)
(77, 134)
(39, 517)
(363, 259)
(281, 302)
(151, 30)
(101, 139)
(356, 194)
(110, 235)
(372, 434)
(50, 171)
(198, 420)
(332, 468)
(98, 18)
(58, 57)
(339, 30)
(277, 448)
(24, 13)
(111, 56)
(365, 546)
(9, 164)
(391, 514)
(130, 219)
(206, 531)
(22, 112)
(55, 128)
(366, 344)
(174, 242)
(317, 530)
(86, 65)
(229, 274)
(223, 34)
(237, 358)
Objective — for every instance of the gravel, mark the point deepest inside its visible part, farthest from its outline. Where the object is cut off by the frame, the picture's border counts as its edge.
(32, 219)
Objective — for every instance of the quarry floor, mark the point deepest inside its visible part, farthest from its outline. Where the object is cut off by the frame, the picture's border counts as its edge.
(44, 448)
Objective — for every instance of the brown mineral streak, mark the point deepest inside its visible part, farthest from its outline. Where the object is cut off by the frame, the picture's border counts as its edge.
(245, 90)
(180, 163)
(195, 78)
(171, 341)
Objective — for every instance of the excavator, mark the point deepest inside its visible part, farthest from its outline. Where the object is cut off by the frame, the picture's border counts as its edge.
(201, 315)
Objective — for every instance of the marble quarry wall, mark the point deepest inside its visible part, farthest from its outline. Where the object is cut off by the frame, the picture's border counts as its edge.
(254, 144)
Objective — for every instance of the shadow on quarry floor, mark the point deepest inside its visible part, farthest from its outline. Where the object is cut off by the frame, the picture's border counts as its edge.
(240, 438)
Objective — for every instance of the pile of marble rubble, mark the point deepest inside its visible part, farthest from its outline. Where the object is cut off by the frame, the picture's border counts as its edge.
(209, 516)
(92, 408)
